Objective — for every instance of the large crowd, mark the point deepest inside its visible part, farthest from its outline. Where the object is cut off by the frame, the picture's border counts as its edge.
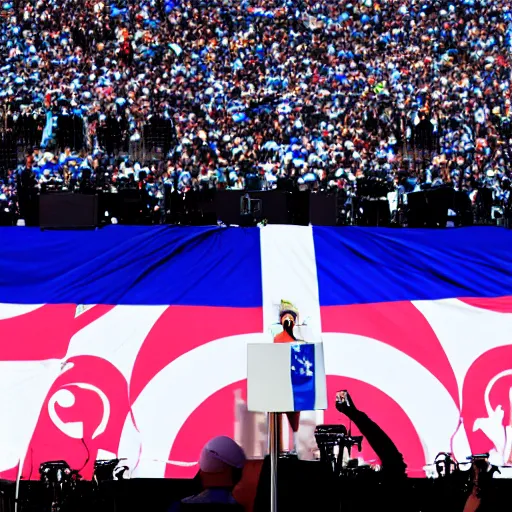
(319, 93)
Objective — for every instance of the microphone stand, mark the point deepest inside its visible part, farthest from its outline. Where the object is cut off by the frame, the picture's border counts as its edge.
(274, 457)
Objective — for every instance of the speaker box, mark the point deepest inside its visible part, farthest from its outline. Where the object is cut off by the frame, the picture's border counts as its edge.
(375, 213)
(322, 209)
(430, 207)
(67, 211)
(274, 205)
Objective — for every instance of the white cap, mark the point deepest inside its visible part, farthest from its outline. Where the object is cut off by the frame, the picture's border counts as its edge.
(219, 453)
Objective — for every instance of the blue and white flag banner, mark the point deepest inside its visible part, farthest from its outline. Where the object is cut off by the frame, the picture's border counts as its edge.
(134, 340)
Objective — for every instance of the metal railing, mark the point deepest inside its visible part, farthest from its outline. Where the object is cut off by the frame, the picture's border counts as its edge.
(18, 135)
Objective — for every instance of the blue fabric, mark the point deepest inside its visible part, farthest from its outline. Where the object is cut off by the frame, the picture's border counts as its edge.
(222, 266)
(302, 371)
(367, 265)
(203, 266)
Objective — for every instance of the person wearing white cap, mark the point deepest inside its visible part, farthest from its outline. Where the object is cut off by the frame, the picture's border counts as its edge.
(220, 469)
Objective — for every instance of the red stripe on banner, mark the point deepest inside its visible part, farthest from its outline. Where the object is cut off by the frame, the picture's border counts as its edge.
(224, 413)
(91, 315)
(499, 304)
(400, 325)
(181, 329)
(487, 429)
(41, 334)
(9, 474)
(76, 421)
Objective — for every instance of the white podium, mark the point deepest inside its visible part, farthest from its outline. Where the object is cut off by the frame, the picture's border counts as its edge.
(274, 386)
(284, 377)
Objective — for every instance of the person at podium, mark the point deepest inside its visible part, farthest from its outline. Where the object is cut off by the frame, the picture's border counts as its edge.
(288, 317)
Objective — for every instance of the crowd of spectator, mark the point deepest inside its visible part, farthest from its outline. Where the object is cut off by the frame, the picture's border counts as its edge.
(416, 92)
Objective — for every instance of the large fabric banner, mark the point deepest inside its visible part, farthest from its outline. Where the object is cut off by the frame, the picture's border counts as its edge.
(130, 342)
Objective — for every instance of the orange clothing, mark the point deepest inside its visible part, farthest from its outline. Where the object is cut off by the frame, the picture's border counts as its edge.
(283, 337)
(472, 503)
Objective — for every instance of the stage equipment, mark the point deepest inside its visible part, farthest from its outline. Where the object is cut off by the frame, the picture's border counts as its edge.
(108, 470)
(61, 483)
(323, 208)
(57, 472)
(373, 187)
(328, 437)
(62, 210)
(250, 211)
(429, 208)
(372, 201)
(228, 206)
(482, 460)
(445, 464)
(284, 377)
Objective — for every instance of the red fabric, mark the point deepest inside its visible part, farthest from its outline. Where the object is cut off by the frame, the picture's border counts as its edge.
(294, 420)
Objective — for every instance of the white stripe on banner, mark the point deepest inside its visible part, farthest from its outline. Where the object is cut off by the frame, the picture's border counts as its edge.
(12, 310)
(458, 325)
(24, 386)
(200, 372)
(117, 336)
(289, 273)
(466, 333)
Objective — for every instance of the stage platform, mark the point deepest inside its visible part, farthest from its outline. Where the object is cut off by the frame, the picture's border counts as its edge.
(302, 486)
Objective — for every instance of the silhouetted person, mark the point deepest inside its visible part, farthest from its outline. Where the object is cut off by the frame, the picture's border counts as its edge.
(391, 459)
(389, 487)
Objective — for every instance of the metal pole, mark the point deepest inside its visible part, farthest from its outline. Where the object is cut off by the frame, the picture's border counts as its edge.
(18, 480)
(274, 456)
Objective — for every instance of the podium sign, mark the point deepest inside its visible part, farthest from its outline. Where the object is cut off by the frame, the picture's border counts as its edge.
(285, 377)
